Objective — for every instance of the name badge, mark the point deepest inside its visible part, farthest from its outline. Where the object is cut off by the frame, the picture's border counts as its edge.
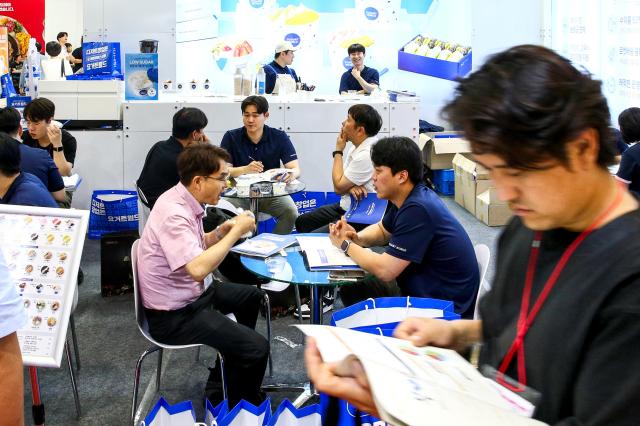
(523, 403)
(207, 281)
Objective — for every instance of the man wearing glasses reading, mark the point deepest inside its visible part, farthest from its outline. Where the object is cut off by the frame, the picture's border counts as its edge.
(175, 261)
(256, 147)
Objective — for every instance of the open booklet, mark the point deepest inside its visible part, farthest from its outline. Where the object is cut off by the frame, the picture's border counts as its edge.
(422, 386)
(368, 210)
(264, 245)
(324, 256)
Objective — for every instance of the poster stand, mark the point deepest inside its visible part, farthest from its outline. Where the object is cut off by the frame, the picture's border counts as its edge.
(43, 247)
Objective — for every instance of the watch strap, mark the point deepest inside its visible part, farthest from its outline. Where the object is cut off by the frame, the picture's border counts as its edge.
(333, 154)
(58, 149)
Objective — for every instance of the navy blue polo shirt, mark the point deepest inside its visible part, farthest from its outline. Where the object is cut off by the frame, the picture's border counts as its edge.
(271, 70)
(274, 147)
(28, 190)
(629, 170)
(349, 82)
(41, 165)
(443, 261)
(621, 145)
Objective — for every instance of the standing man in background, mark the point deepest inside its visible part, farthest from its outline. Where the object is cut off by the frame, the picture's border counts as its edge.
(280, 65)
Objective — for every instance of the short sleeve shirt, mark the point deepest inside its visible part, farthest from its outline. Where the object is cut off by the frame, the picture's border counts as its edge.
(41, 165)
(629, 170)
(69, 145)
(443, 262)
(358, 168)
(173, 236)
(28, 190)
(12, 312)
(271, 72)
(274, 148)
(349, 82)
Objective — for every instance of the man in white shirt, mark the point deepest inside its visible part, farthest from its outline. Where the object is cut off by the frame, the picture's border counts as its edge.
(352, 170)
(56, 67)
(12, 317)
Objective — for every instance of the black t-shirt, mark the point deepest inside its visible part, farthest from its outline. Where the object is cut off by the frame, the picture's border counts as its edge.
(77, 53)
(69, 145)
(629, 170)
(583, 349)
(160, 170)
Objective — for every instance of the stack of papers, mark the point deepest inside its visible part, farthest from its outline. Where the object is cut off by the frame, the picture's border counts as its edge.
(324, 256)
(72, 182)
(264, 245)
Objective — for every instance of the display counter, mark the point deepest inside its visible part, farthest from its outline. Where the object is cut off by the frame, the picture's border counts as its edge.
(87, 100)
(114, 159)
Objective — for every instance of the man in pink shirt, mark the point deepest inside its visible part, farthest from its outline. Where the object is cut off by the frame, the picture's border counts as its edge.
(184, 304)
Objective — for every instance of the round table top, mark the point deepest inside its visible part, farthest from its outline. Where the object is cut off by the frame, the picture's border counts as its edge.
(294, 271)
(291, 188)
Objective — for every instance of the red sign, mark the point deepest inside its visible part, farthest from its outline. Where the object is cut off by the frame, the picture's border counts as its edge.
(23, 18)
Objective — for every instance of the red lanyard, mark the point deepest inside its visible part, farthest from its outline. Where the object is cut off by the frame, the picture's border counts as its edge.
(526, 319)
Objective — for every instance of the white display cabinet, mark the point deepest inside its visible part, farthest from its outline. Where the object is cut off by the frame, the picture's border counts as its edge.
(404, 119)
(98, 162)
(326, 117)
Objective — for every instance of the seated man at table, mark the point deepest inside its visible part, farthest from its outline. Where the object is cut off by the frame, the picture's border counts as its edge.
(352, 172)
(429, 253)
(160, 169)
(33, 160)
(359, 78)
(256, 147)
(17, 187)
(183, 303)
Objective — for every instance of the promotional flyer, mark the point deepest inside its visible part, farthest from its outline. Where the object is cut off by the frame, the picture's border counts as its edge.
(141, 76)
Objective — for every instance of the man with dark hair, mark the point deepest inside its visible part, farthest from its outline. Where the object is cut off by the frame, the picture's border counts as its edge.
(56, 66)
(352, 172)
(62, 38)
(629, 171)
(18, 187)
(429, 253)
(280, 65)
(256, 147)
(34, 161)
(160, 170)
(76, 57)
(360, 78)
(44, 134)
(562, 319)
(183, 302)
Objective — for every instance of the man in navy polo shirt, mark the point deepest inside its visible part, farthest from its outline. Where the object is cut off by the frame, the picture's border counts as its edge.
(360, 78)
(280, 65)
(32, 160)
(18, 187)
(256, 147)
(429, 253)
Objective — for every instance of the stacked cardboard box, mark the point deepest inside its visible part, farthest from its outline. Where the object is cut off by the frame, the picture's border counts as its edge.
(438, 149)
(474, 192)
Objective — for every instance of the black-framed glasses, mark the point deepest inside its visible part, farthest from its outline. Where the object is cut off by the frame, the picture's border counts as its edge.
(222, 178)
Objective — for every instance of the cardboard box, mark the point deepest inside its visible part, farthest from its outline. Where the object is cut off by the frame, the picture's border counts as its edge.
(471, 179)
(438, 68)
(440, 148)
(490, 210)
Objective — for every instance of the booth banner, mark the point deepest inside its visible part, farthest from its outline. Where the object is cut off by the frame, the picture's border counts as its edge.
(141, 76)
(101, 58)
(4, 50)
(23, 19)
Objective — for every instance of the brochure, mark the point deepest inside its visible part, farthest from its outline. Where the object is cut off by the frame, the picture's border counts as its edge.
(324, 256)
(366, 211)
(72, 182)
(421, 385)
(264, 245)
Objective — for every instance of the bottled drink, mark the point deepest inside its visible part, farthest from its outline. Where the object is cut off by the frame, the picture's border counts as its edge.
(260, 81)
(237, 82)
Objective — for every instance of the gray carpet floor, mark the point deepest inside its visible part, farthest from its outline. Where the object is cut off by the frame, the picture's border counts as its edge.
(110, 343)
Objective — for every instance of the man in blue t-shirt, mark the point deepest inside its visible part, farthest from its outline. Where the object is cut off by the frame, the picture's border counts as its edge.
(629, 171)
(255, 148)
(280, 65)
(360, 78)
(32, 160)
(18, 187)
(429, 253)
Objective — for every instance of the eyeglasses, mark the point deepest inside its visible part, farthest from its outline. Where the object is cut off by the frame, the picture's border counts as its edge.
(222, 178)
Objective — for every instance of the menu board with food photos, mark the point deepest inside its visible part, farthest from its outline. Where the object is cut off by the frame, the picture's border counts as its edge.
(42, 247)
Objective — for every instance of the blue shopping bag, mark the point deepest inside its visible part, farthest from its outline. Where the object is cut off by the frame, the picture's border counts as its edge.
(247, 414)
(347, 414)
(165, 414)
(213, 414)
(288, 415)
(112, 211)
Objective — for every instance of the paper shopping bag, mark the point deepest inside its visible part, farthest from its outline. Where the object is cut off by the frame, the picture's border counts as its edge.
(288, 415)
(247, 414)
(165, 414)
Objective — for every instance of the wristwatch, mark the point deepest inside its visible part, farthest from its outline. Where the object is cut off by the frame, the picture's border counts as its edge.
(345, 247)
(58, 149)
(333, 154)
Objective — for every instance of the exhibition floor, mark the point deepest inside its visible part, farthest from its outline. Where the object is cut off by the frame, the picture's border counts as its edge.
(110, 344)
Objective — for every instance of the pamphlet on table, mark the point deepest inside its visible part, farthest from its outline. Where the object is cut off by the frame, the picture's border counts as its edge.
(322, 255)
(264, 245)
(72, 182)
(422, 386)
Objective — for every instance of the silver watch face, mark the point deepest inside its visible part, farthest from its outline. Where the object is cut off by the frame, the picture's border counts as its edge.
(344, 246)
